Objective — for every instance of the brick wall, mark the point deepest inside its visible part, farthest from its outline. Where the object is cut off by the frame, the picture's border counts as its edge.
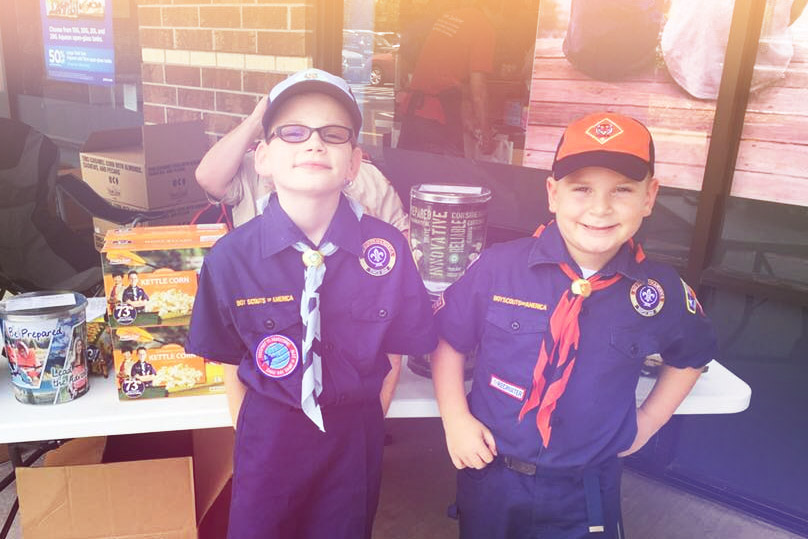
(213, 60)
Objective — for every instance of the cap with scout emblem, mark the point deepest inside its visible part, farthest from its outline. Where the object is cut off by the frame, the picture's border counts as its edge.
(313, 80)
(608, 140)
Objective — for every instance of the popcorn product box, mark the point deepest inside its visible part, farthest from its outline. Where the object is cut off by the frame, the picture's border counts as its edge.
(180, 215)
(151, 273)
(150, 278)
(152, 363)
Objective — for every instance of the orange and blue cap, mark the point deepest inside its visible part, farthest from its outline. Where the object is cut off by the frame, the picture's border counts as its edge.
(609, 140)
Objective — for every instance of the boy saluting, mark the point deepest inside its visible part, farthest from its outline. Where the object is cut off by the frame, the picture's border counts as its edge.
(564, 321)
(301, 304)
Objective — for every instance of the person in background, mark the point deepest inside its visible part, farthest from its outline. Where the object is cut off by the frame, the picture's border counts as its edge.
(303, 371)
(227, 174)
(455, 60)
(564, 321)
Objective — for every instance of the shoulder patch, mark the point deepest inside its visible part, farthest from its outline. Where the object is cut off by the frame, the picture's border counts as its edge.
(691, 301)
(378, 257)
(647, 298)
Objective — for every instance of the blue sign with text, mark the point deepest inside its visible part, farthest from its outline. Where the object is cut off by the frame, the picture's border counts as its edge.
(77, 38)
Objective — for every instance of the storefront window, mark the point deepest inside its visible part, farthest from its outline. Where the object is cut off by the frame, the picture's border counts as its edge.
(759, 454)
(73, 68)
(449, 77)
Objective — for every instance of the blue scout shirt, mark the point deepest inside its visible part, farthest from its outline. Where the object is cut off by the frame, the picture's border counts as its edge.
(504, 302)
(372, 302)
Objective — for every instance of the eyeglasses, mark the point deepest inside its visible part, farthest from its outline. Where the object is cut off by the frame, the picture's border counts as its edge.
(330, 134)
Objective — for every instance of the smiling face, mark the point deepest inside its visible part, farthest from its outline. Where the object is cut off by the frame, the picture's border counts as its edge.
(311, 168)
(597, 210)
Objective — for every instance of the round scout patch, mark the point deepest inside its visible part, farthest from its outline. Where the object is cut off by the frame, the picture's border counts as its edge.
(378, 257)
(647, 298)
(276, 356)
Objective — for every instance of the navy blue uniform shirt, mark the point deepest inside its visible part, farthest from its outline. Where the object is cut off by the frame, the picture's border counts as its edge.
(372, 302)
(504, 302)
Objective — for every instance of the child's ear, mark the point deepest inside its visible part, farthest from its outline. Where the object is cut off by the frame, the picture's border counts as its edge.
(356, 161)
(262, 161)
(652, 189)
(552, 191)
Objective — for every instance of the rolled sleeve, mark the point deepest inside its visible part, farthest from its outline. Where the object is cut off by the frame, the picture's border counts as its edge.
(212, 334)
(459, 319)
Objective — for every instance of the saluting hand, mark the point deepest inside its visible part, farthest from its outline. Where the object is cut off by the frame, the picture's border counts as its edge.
(470, 443)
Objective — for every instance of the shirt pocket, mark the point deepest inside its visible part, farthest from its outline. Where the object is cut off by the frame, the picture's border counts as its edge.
(255, 323)
(371, 316)
(510, 345)
(631, 345)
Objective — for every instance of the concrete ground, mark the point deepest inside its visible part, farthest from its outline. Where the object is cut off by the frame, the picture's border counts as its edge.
(418, 485)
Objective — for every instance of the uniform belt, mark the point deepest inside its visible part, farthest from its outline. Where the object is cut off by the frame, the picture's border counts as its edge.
(591, 482)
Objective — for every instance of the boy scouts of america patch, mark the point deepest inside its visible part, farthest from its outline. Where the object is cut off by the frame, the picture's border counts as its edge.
(276, 356)
(691, 302)
(604, 131)
(647, 298)
(378, 257)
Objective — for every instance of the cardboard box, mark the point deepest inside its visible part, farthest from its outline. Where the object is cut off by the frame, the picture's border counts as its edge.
(181, 215)
(176, 373)
(148, 167)
(150, 277)
(74, 495)
(150, 273)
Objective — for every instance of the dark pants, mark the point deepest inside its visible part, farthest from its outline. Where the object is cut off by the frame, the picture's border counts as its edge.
(499, 503)
(292, 481)
(421, 134)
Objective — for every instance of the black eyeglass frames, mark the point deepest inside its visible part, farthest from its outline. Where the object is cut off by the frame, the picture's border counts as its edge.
(330, 134)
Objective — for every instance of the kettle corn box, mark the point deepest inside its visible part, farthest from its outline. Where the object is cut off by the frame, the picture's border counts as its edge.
(151, 273)
(152, 363)
(150, 279)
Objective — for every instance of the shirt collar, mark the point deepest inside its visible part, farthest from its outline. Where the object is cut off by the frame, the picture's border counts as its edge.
(550, 248)
(279, 232)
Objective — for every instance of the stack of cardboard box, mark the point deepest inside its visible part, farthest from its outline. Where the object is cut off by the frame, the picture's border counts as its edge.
(146, 168)
(150, 278)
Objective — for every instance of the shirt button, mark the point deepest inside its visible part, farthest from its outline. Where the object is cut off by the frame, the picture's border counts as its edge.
(329, 347)
(514, 325)
(382, 313)
(633, 349)
(269, 323)
(584, 311)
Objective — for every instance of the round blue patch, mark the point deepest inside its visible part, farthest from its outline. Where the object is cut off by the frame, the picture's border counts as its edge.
(276, 356)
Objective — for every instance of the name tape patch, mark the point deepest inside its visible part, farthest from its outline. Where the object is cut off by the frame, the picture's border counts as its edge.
(512, 390)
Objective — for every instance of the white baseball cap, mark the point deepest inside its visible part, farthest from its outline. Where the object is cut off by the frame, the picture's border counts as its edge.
(313, 80)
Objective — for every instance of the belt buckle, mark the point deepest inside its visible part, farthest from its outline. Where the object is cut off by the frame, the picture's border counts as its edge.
(522, 467)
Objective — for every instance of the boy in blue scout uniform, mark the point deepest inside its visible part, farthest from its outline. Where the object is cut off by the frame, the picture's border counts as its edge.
(304, 341)
(564, 321)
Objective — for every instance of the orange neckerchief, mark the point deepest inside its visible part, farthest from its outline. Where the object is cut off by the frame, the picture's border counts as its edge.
(560, 347)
